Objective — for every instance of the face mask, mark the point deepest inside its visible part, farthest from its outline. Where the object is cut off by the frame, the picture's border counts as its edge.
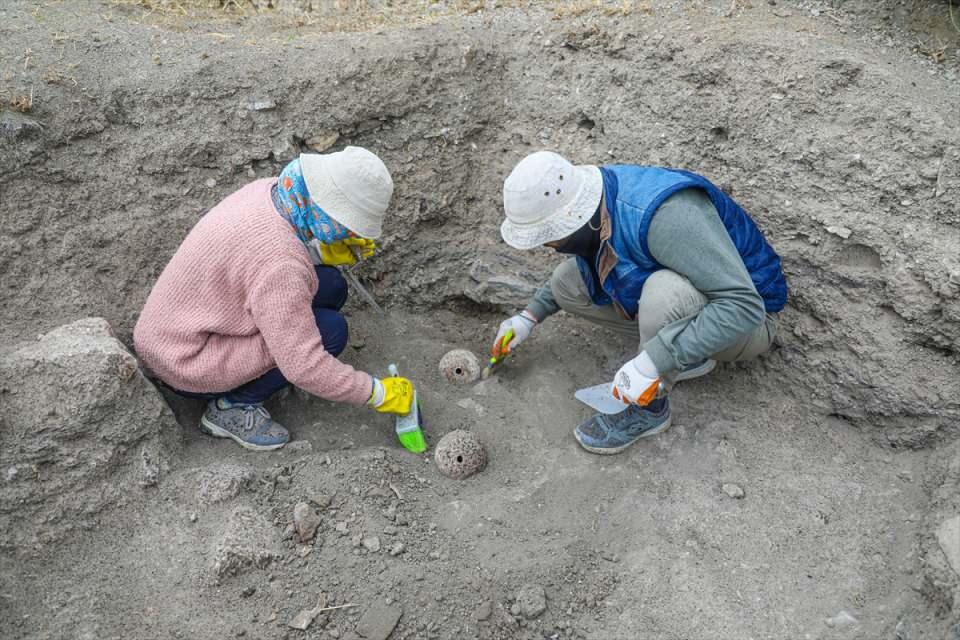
(585, 241)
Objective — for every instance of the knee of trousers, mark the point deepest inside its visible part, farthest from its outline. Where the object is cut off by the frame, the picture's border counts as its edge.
(333, 329)
(667, 296)
(332, 290)
(567, 285)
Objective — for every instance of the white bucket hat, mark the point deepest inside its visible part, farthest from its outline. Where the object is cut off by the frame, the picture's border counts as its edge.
(352, 186)
(546, 198)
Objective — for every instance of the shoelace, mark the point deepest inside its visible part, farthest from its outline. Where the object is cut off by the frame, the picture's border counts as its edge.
(250, 413)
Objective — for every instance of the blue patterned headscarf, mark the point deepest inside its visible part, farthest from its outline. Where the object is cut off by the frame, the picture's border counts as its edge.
(293, 202)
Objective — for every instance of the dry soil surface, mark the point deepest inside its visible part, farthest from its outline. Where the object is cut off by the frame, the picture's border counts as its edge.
(797, 496)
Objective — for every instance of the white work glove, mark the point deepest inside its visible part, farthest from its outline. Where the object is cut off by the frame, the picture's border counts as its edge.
(513, 331)
(637, 382)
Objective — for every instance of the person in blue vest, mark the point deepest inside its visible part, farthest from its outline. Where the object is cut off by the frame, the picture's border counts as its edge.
(660, 254)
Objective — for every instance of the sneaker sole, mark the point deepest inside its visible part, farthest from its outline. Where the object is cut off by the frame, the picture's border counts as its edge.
(219, 432)
(702, 370)
(609, 451)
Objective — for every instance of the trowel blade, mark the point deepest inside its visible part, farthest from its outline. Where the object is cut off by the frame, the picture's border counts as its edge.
(362, 290)
(599, 399)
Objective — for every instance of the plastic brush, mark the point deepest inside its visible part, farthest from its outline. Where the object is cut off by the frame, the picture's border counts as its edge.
(408, 427)
(494, 360)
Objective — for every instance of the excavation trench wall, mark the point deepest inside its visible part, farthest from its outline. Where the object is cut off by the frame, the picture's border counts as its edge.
(852, 170)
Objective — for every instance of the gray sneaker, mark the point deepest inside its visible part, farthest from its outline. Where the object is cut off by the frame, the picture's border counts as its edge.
(609, 434)
(249, 425)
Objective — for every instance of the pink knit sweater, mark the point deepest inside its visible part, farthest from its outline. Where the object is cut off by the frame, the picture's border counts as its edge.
(235, 302)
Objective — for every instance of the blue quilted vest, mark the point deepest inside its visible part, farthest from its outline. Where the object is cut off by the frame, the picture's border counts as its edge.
(633, 194)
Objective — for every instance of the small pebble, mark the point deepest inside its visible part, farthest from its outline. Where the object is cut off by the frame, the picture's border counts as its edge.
(321, 500)
(734, 490)
(299, 446)
(842, 619)
(483, 611)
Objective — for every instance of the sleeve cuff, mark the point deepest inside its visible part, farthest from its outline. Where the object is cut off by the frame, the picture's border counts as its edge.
(377, 394)
(661, 356)
(538, 310)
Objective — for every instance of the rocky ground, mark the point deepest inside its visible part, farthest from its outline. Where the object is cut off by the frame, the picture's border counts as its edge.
(810, 494)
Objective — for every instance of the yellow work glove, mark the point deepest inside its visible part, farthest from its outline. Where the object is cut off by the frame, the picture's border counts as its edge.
(345, 252)
(392, 395)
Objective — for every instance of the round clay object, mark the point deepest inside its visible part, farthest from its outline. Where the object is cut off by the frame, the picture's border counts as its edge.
(460, 366)
(460, 454)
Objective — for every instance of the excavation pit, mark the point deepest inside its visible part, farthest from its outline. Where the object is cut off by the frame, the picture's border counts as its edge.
(842, 437)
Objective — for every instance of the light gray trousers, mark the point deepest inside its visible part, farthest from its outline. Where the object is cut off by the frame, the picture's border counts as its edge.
(667, 297)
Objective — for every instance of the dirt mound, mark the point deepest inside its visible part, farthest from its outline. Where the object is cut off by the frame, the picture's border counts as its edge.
(850, 167)
(81, 431)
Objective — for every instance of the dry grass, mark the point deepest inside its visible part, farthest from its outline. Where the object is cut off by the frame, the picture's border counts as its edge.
(359, 15)
(22, 103)
(576, 9)
(938, 54)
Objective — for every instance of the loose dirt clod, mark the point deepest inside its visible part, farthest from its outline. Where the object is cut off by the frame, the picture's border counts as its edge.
(531, 601)
(378, 622)
(734, 490)
(460, 366)
(246, 541)
(306, 521)
(460, 454)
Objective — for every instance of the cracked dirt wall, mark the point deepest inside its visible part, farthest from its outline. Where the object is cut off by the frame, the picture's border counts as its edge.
(846, 156)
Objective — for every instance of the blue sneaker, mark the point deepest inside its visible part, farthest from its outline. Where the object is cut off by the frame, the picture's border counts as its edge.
(609, 434)
(249, 425)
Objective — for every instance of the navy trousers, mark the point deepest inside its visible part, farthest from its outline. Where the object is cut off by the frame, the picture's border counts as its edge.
(330, 298)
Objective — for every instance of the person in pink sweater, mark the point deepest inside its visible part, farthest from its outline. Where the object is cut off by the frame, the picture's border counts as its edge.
(250, 302)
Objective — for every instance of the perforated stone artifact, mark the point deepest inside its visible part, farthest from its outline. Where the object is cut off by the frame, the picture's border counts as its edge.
(460, 454)
(460, 366)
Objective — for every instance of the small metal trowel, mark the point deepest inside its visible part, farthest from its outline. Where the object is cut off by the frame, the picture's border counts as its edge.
(356, 284)
(599, 399)
(362, 290)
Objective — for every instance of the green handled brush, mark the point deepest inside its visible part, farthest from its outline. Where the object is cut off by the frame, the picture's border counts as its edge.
(408, 427)
(494, 360)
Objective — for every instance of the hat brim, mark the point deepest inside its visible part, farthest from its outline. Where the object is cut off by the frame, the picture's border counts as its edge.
(327, 195)
(564, 222)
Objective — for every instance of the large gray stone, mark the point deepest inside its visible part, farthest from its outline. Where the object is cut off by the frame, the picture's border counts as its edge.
(501, 279)
(81, 430)
(948, 535)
